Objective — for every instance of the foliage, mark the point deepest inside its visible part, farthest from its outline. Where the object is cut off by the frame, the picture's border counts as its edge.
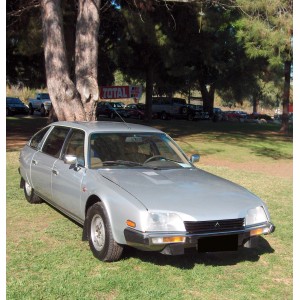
(205, 46)
(266, 29)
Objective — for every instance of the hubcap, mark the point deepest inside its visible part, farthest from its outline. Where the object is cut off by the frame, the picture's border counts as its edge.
(98, 232)
(28, 189)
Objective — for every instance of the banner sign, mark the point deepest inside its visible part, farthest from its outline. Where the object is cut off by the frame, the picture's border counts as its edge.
(120, 92)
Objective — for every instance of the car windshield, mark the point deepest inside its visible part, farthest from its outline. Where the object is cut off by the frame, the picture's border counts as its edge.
(116, 105)
(45, 96)
(139, 150)
(13, 101)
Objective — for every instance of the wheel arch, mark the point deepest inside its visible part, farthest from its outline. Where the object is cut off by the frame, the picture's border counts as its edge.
(90, 201)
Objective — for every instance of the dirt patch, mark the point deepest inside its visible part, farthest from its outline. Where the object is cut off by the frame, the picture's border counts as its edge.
(20, 130)
(282, 169)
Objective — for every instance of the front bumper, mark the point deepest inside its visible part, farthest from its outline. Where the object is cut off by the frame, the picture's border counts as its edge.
(146, 240)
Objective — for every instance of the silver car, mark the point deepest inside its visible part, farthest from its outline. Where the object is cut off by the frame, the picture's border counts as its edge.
(132, 185)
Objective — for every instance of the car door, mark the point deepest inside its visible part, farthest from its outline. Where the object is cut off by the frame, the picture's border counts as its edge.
(43, 161)
(67, 179)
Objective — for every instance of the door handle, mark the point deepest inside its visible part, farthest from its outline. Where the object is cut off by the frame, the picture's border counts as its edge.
(34, 162)
(55, 172)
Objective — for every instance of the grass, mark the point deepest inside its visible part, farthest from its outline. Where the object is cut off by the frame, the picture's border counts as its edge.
(47, 260)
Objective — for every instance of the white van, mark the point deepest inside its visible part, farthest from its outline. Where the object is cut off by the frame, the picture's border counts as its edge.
(167, 107)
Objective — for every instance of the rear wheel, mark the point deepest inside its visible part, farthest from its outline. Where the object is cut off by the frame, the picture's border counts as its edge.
(164, 116)
(30, 196)
(190, 117)
(100, 236)
(31, 110)
(43, 111)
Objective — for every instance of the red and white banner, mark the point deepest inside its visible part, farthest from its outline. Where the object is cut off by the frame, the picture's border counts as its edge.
(120, 92)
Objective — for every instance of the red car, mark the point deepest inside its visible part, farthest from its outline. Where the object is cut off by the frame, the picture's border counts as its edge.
(136, 111)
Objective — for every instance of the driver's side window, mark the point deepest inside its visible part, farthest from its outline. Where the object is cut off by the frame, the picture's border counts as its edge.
(75, 146)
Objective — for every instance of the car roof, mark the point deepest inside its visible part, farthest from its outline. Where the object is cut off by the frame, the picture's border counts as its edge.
(106, 126)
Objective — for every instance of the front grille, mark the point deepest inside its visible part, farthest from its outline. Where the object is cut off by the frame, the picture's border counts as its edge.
(214, 226)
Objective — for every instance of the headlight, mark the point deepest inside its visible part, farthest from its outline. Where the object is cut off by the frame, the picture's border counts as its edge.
(256, 215)
(164, 221)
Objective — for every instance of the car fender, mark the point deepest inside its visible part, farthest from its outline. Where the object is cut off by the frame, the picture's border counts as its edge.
(120, 205)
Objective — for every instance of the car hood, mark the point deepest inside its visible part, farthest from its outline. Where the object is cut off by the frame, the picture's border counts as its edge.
(195, 194)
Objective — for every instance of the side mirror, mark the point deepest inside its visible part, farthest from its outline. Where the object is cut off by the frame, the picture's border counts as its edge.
(195, 158)
(70, 159)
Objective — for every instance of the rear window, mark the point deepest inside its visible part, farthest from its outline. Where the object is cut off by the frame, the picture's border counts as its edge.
(55, 141)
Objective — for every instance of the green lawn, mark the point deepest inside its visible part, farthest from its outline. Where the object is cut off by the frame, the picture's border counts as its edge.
(46, 258)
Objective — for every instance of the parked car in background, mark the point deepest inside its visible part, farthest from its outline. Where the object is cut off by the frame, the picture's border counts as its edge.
(167, 107)
(121, 103)
(133, 186)
(194, 112)
(110, 109)
(15, 106)
(258, 116)
(235, 115)
(136, 111)
(218, 114)
(40, 103)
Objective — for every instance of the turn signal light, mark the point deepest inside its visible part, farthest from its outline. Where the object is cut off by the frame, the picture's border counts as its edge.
(168, 240)
(257, 231)
(130, 223)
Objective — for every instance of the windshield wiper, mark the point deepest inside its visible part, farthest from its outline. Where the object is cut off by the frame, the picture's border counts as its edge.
(126, 163)
(121, 162)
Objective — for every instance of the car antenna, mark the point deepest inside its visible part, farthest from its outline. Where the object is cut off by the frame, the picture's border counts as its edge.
(123, 120)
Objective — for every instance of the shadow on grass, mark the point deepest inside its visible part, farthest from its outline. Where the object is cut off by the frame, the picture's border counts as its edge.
(188, 261)
(271, 153)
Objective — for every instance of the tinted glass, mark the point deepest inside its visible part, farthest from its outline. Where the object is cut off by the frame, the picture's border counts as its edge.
(55, 140)
(37, 138)
(45, 96)
(13, 101)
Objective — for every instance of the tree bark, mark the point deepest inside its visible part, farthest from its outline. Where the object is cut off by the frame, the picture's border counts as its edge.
(208, 97)
(255, 103)
(86, 55)
(65, 98)
(149, 91)
(286, 97)
(72, 101)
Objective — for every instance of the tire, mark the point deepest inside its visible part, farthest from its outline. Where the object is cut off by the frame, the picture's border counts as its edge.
(31, 110)
(164, 116)
(100, 236)
(43, 111)
(30, 196)
(190, 117)
(184, 110)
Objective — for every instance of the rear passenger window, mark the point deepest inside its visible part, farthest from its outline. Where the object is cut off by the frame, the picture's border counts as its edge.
(55, 141)
(37, 138)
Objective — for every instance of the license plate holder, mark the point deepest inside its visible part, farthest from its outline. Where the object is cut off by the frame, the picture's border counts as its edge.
(218, 243)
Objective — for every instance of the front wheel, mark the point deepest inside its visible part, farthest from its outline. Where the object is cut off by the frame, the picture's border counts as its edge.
(30, 195)
(43, 111)
(100, 236)
(31, 110)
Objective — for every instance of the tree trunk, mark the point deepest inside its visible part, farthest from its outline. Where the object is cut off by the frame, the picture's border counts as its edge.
(208, 97)
(255, 104)
(70, 102)
(149, 91)
(86, 55)
(286, 97)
